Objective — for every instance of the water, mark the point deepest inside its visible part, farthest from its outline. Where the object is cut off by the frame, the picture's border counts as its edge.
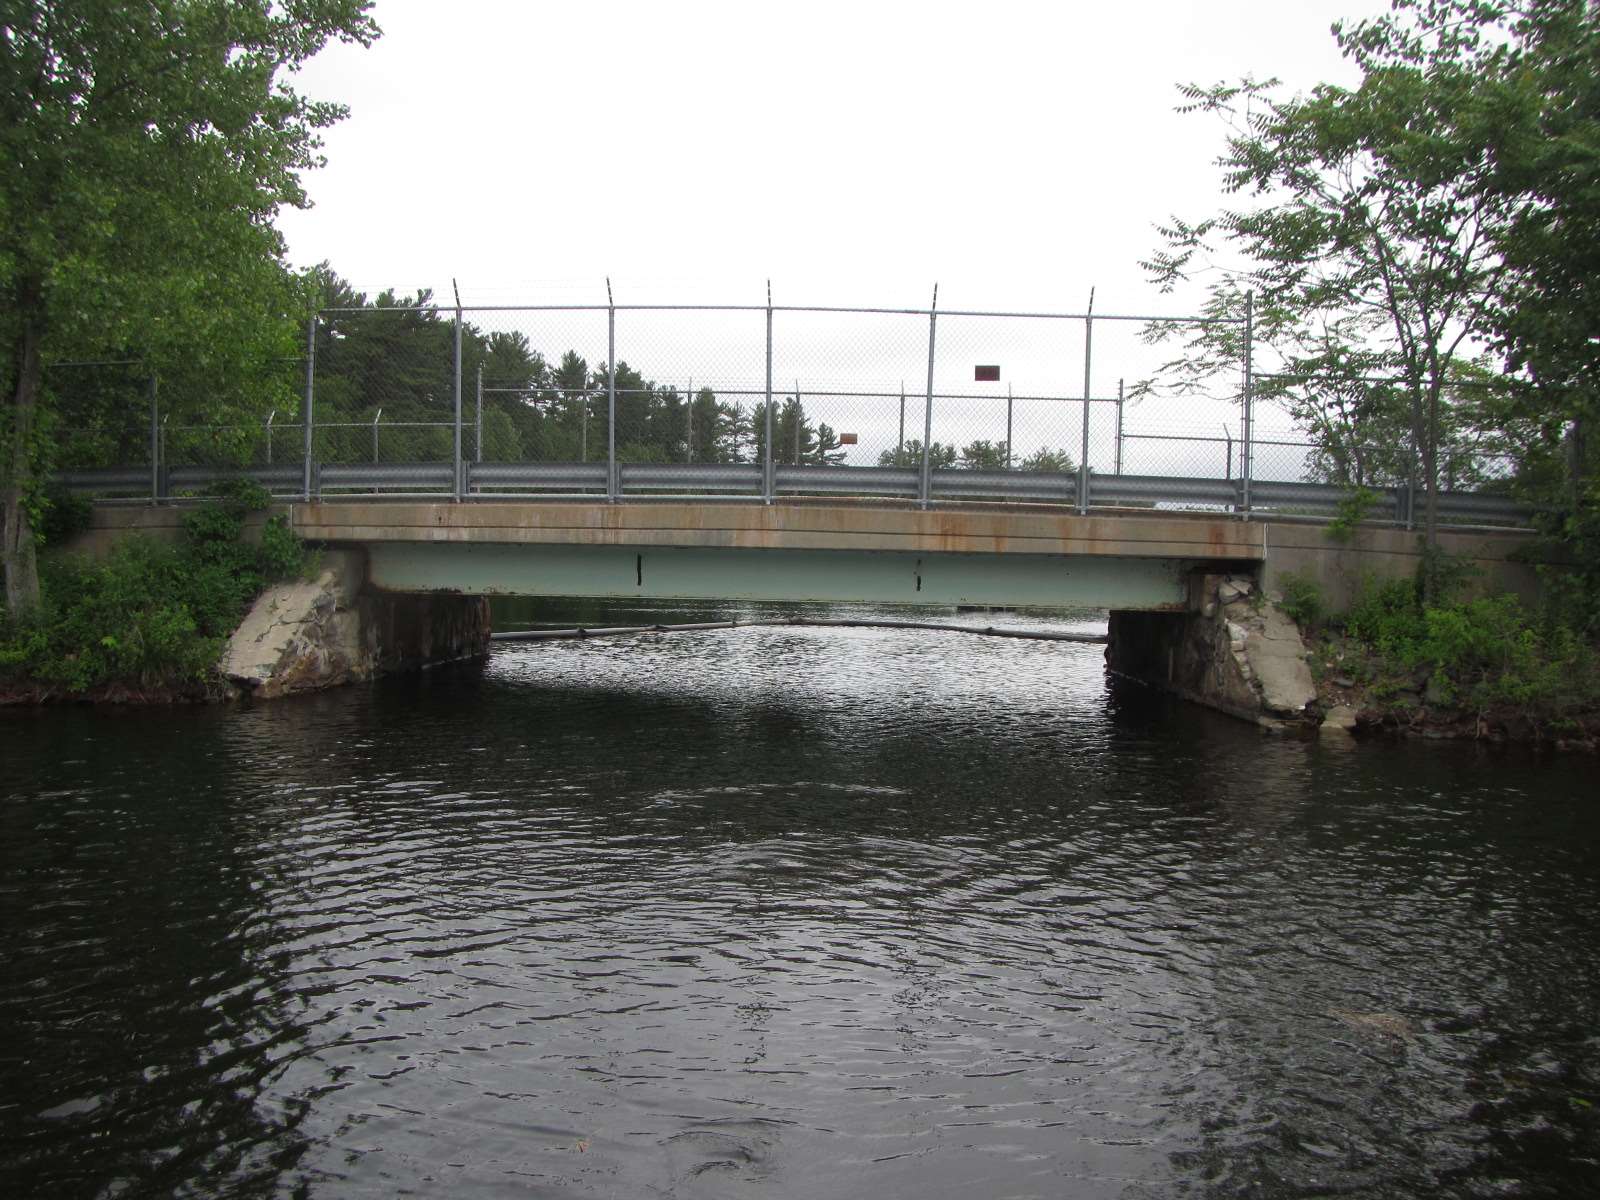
(791, 913)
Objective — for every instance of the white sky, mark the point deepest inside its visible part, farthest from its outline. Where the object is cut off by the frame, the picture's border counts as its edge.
(1016, 153)
(855, 153)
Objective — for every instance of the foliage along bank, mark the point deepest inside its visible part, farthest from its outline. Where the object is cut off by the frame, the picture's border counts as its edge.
(150, 620)
(1486, 667)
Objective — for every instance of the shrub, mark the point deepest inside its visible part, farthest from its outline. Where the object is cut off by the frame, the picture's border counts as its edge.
(65, 515)
(1351, 510)
(1480, 653)
(152, 615)
(1302, 599)
(1387, 617)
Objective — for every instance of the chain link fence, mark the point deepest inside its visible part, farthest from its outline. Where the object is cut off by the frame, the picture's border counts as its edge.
(616, 400)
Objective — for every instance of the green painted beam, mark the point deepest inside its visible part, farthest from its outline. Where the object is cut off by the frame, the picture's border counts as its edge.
(843, 576)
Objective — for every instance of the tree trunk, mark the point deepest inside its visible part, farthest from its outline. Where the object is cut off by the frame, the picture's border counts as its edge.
(1430, 520)
(16, 466)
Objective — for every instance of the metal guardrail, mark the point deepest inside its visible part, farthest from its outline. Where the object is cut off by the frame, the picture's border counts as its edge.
(532, 481)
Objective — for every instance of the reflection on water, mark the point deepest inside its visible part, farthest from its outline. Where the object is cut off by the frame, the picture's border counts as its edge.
(809, 912)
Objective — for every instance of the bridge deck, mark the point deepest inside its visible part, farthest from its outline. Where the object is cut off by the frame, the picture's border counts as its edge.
(1008, 530)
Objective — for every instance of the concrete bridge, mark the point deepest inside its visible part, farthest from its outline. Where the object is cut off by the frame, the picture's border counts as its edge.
(406, 579)
(867, 552)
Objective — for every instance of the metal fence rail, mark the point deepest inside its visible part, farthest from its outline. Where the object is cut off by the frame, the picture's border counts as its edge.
(755, 402)
(534, 481)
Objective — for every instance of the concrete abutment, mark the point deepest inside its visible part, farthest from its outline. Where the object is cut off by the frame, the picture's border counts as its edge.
(324, 632)
(1233, 651)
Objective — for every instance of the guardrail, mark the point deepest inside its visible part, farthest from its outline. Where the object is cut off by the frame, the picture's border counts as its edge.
(1083, 492)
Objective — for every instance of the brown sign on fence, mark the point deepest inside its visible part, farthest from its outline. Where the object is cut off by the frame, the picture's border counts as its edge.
(986, 374)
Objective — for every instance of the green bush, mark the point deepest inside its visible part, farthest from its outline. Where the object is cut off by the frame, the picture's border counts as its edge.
(1350, 512)
(1480, 653)
(1387, 617)
(1302, 599)
(150, 615)
(66, 514)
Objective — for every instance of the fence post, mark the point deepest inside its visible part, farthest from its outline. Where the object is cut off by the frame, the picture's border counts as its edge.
(376, 417)
(270, 417)
(798, 411)
(688, 419)
(155, 443)
(1120, 382)
(456, 448)
(900, 448)
(1247, 451)
(306, 415)
(1008, 426)
(1227, 454)
(1083, 441)
(925, 492)
(611, 395)
(478, 418)
(768, 479)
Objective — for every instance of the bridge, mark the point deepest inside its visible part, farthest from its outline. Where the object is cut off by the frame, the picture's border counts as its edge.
(838, 550)
(612, 485)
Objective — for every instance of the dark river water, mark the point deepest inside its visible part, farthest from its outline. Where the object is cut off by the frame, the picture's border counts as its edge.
(787, 912)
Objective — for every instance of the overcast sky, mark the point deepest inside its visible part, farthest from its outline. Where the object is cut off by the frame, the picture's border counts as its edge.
(1016, 153)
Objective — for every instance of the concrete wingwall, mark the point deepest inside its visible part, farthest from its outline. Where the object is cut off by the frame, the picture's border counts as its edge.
(1341, 568)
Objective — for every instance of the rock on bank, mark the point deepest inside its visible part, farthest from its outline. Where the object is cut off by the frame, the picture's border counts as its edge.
(304, 635)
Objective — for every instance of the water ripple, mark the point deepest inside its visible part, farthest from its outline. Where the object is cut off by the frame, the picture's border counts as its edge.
(814, 912)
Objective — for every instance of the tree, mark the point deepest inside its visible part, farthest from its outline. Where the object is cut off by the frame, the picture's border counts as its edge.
(828, 451)
(1549, 323)
(910, 455)
(794, 439)
(145, 147)
(715, 428)
(984, 455)
(1046, 459)
(1370, 228)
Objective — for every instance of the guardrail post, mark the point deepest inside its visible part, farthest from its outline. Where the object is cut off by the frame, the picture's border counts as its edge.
(611, 395)
(1083, 443)
(1246, 452)
(305, 416)
(768, 476)
(925, 491)
(456, 450)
